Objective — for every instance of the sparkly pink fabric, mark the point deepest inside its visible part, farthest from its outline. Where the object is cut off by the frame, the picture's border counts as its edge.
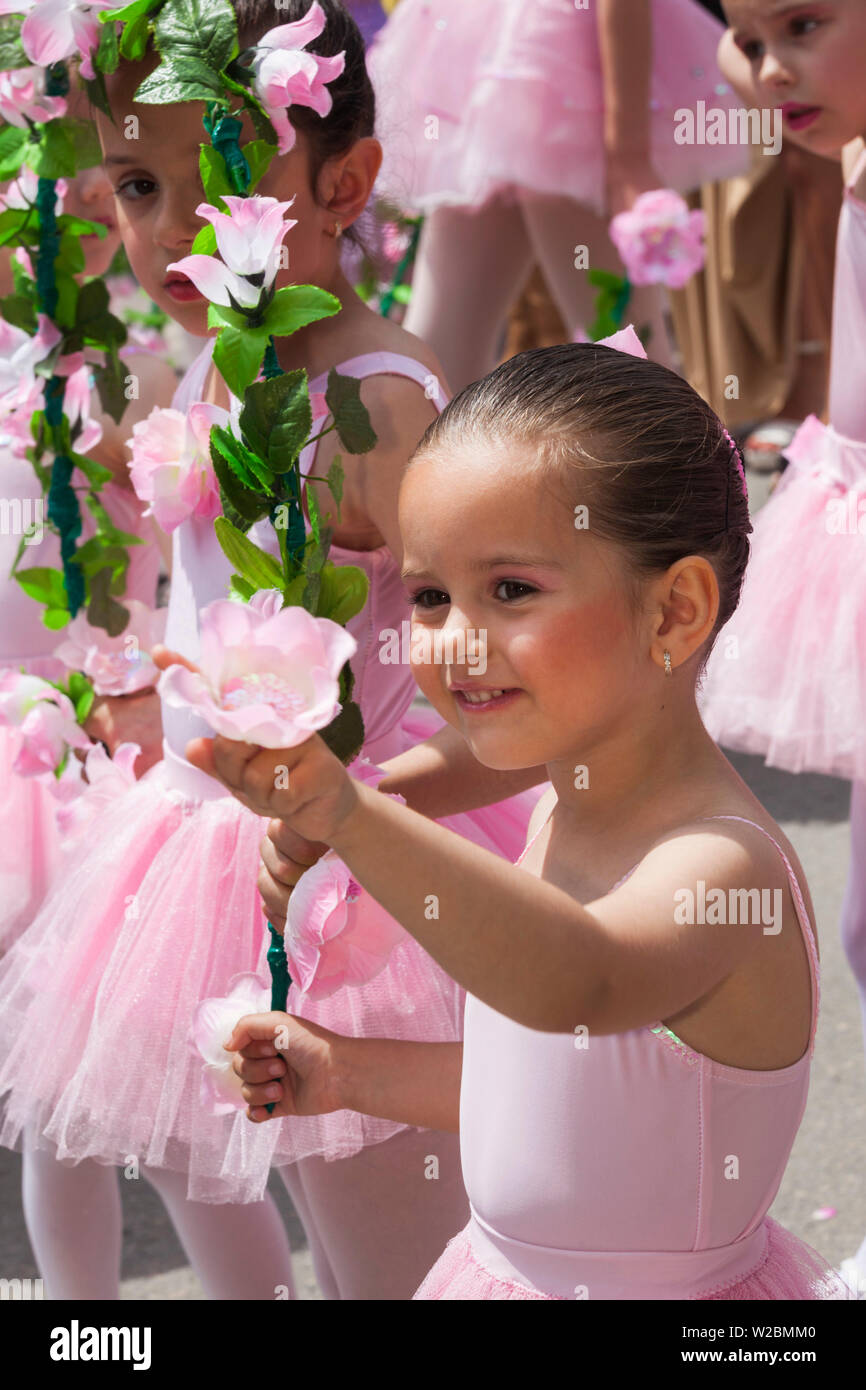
(477, 98)
(29, 839)
(177, 915)
(787, 676)
(643, 1168)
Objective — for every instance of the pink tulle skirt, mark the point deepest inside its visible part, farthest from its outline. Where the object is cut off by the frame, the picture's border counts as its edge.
(791, 1270)
(787, 676)
(478, 98)
(162, 911)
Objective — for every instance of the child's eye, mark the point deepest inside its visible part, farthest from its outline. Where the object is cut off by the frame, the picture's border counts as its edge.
(132, 190)
(513, 586)
(803, 26)
(751, 49)
(429, 598)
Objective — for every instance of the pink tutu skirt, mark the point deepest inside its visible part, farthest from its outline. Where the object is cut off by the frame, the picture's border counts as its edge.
(476, 99)
(97, 998)
(30, 851)
(790, 1270)
(787, 676)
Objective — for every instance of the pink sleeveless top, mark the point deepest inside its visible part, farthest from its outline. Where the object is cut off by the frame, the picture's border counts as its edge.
(24, 640)
(634, 1167)
(201, 573)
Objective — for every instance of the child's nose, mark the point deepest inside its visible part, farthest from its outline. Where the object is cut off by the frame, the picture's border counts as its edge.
(773, 71)
(94, 186)
(177, 225)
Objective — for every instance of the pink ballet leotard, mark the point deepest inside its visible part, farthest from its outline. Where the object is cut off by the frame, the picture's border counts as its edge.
(787, 677)
(178, 916)
(604, 1172)
(29, 837)
(481, 98)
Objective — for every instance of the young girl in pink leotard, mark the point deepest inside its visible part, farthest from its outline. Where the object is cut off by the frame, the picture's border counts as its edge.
(163, 911)
(30, 841)
(788, 678)
(643, 990)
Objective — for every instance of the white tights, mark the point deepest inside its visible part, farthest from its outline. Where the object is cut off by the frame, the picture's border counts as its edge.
(375, 1224)
(472, 265)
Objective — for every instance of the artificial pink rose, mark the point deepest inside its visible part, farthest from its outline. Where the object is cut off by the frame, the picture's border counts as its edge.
(44, 720)
(22, 98)
(266, 677)
(22, 191)
(58, 29)
(107, 780)
(336, 933)
(659, 239)
(15, 432)
(212, 1025)
(286, 75)
(116, 665)
(19, 354)
(171, 466)
(626, 340)
(248, 240)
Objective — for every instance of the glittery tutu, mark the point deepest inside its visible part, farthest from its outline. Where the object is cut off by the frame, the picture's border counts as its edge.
(787, 676)
(789, 1270)
(97, 998)
(475, 99)
(29, 845)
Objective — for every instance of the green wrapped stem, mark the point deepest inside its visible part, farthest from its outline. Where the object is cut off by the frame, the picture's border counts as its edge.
(225, 138)
(280, 979)
(387, 301)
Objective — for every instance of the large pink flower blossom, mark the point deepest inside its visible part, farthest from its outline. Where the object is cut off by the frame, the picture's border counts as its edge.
(266, 677)
(21, 391)
(22, 191)
(171, 467)
(248, 240)
(116, 665)
(336, 933)
(58, 29)
(286, 75)
(44, 720)
(22, 96)
(212, 1025)
(659, 239)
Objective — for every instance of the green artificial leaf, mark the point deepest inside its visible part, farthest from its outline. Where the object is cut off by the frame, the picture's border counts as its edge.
(54, 156)
(238, 355)
(315, 556)
(343, 592)
(343, 398)
(111, 385)
(247, 467)
(133, 39)
(242, 588)
(45, 585)
(251, 562)
(204, 29)
(264, 405)
(315, 517)
(107, 56)
(85, 143)
(179, 79)
(215, 182)
(67, 298)
(334, 478)
(76, 684)
(290, 427)
(12, 53)
(258, 154)
(84, 704)
(70, 257)
(96, 473)
(293, 594)
(126, 13)
(20, 311)
(13, 146)
(205, 243)
(218, 316)
(345, 733)
(93, 319)
(104, 611)
(56, 618)
(97, 93)
(295, 306)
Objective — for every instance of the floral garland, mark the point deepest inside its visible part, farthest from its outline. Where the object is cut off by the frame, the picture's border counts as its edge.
(49, 319)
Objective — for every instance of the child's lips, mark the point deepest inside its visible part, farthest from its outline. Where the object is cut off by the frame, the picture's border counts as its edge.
(798, 116)
(181, 289)
(476, 700)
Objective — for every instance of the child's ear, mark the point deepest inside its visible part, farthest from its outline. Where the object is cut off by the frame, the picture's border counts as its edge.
(687, 604)
(346, 184)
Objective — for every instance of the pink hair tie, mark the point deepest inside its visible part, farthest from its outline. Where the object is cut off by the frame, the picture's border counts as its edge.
(738, 460)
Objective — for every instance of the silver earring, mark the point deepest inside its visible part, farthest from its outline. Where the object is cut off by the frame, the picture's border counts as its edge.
(667, 660)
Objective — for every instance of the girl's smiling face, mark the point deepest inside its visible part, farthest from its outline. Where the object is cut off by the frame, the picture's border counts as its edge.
(807, 59)
(491, 550)
(151, 154)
